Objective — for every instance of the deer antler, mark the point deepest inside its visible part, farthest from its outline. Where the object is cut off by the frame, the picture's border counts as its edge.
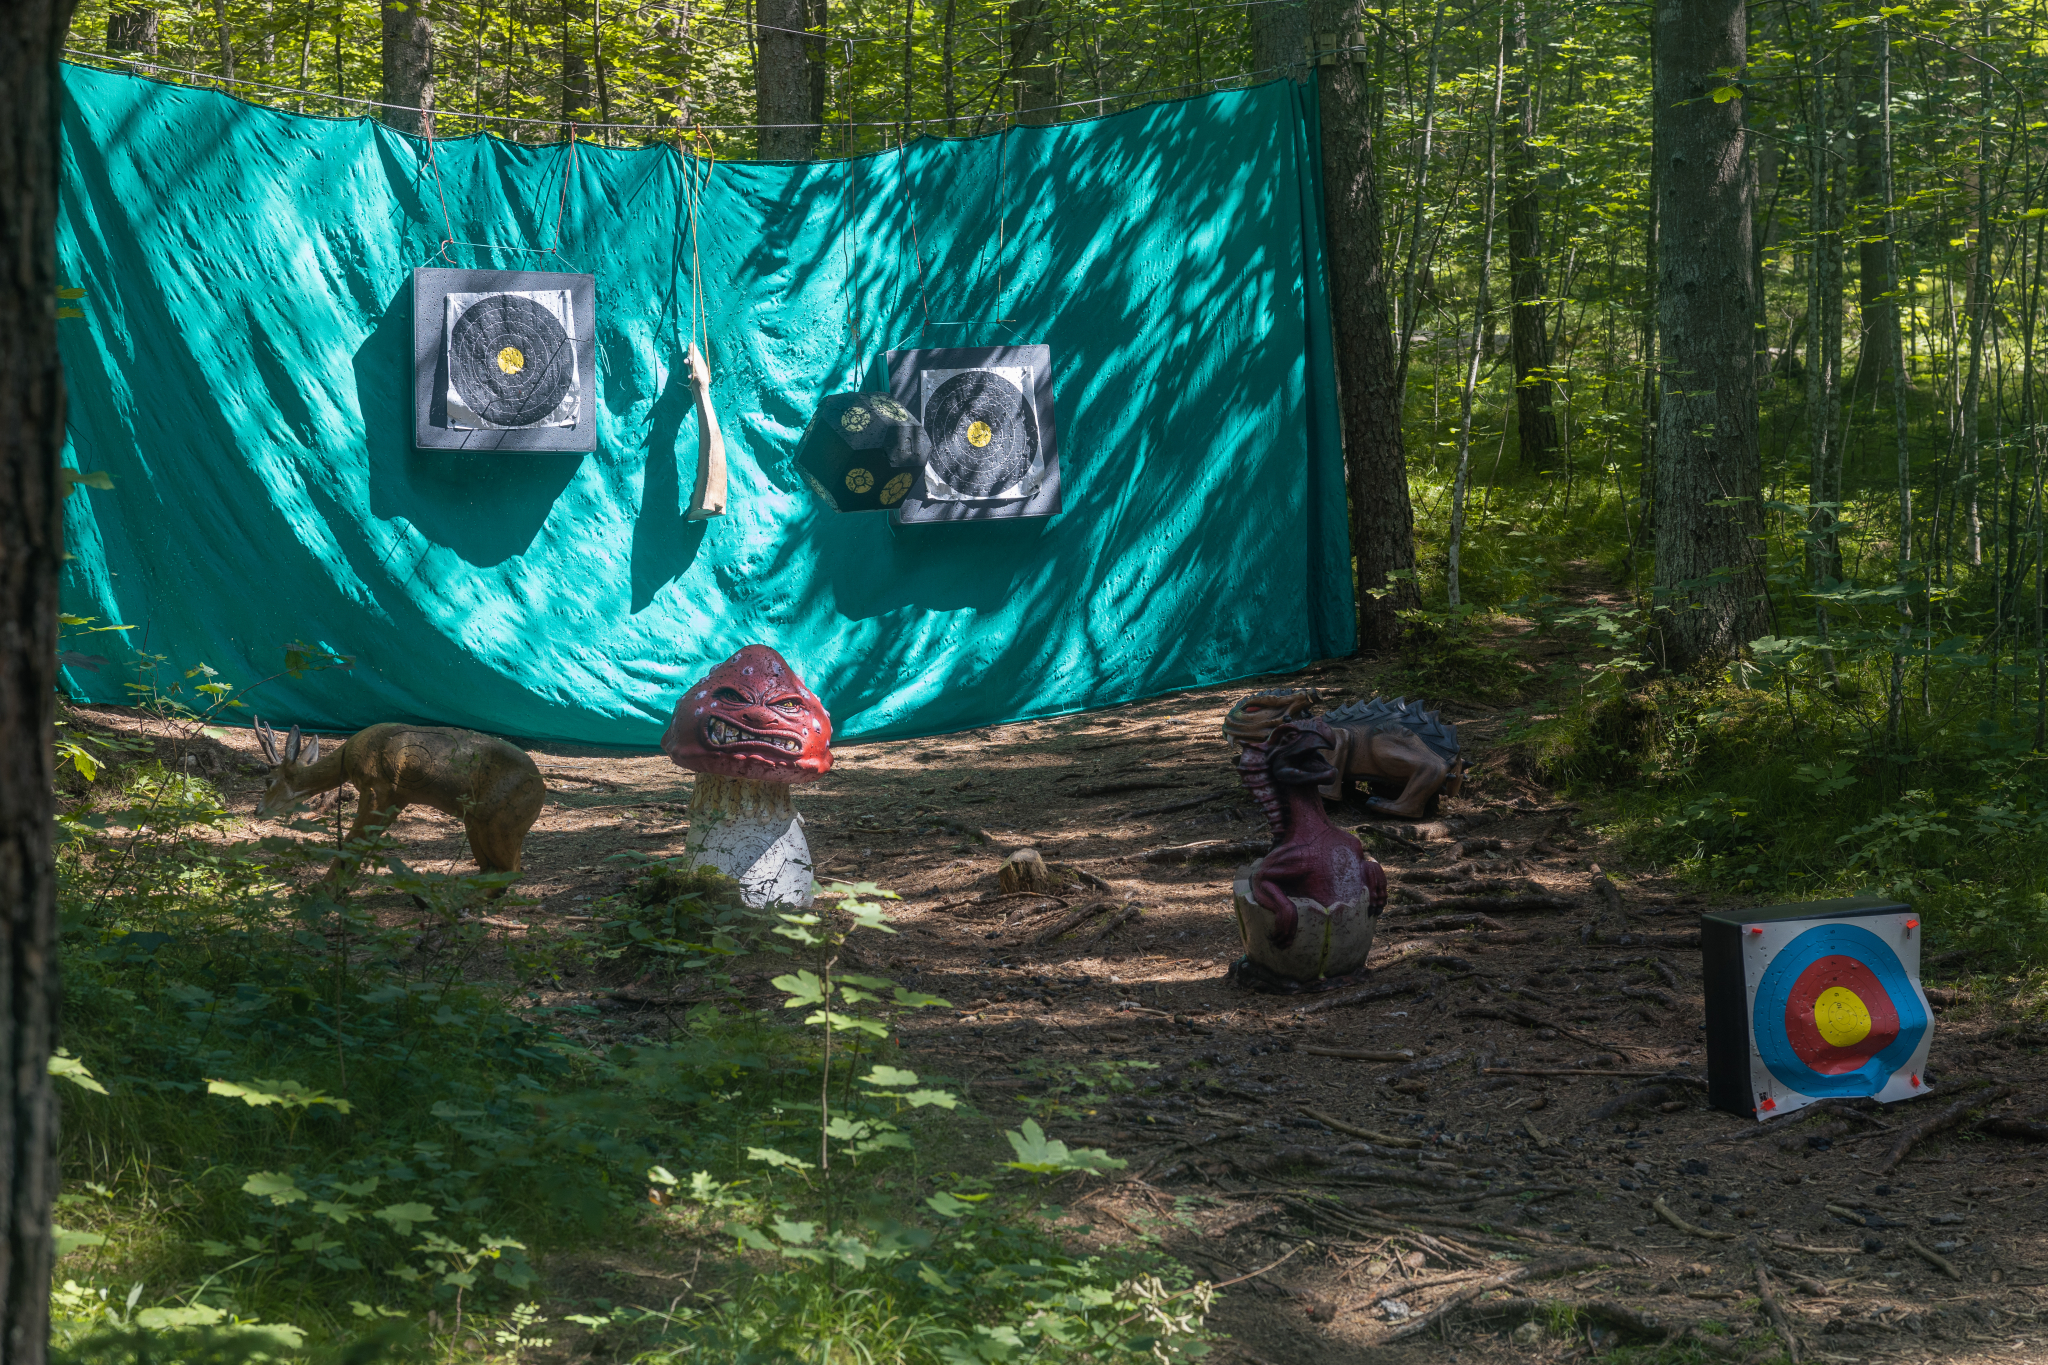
(267, 738)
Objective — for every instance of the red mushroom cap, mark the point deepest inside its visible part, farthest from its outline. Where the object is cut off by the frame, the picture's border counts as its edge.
(751, 717)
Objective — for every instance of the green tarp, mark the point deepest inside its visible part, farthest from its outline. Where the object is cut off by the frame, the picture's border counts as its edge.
(242, 372)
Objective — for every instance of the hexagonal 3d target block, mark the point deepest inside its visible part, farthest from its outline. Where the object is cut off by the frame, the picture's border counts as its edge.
(861, 451)
(1811, 1002)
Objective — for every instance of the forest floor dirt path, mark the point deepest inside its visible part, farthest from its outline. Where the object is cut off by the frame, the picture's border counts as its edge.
(1534, 1038)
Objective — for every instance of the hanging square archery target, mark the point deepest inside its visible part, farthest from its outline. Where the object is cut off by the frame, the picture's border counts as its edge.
(504, 360)
(1811, 1002)
(992, 448)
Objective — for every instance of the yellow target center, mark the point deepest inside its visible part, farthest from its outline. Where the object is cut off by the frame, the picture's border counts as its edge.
(893, 491)
(1841, 1017)
(859, 480)
(511, 360)
(978, 433)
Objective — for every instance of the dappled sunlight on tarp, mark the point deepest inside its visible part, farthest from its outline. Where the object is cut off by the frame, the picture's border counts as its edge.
(242, 372)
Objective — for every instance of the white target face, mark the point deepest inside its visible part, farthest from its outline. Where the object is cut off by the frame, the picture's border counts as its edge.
(511, 360)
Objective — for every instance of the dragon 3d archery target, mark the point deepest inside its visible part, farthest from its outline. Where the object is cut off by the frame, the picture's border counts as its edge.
(1811, 1002)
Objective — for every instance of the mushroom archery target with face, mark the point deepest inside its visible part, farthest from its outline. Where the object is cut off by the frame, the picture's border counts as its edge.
(1811, 1002)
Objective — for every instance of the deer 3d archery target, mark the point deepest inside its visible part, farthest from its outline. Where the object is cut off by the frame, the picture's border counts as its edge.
(1811, 1002)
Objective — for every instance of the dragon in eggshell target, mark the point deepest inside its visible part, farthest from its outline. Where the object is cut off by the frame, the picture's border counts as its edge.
(1812, 1002)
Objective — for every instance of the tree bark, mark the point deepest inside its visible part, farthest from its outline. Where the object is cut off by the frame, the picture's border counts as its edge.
(132, 28)
(31, 441)
(1279, 41)
(576, 101)
(1709, 584)
(1375, 467)
(408, 67)
(1824, 344)
(1535, 395)
(782, 82)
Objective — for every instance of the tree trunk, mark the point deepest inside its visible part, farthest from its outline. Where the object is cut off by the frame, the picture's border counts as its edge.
(1535, 396)
(1462, 481)
(1824, 345)
(1279, 41)
(820, 70)
(408, 67)
(1035, 80)
(1879, 313)
(225, 33)
(132, 28)
(1376, 470)
(1979, 309)
(576, 100)
(31, 440)
(782, 82)
(1709, 587)
(672, 101)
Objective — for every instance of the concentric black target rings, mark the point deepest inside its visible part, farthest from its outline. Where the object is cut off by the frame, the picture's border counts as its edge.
(510, 360)
(983, 434)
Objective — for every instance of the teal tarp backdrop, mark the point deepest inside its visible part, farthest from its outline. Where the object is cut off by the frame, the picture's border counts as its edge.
(242, 371)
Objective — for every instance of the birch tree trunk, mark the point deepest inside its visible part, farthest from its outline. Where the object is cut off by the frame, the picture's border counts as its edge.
(1461, 483)
(1709, 584)
(31, 440)
(1535, 395)
(1376, 469)
(1824, 346)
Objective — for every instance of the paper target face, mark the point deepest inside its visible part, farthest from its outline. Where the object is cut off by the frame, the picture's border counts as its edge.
(511, 360)
(984, 435)
(1836, 1010)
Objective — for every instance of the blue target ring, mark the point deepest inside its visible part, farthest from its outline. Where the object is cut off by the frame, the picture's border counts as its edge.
(1774, 999)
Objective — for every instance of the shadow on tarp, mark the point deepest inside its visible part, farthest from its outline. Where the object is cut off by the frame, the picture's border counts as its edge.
(241, 373)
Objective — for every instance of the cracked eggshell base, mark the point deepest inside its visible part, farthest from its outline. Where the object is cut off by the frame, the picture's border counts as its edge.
(1815, 1001)
(1329, 940)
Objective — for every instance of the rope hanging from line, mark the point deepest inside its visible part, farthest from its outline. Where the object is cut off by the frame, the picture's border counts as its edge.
(707, 498)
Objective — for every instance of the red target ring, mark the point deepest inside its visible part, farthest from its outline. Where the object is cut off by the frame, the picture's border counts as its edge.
(1838, 1015)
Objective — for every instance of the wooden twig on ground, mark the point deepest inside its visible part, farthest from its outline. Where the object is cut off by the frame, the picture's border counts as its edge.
(1770, 1300)
(1132, 784)
(1210, 850)
(1338, 1125)
(1115, 922)
(1440, 923)
(1189, 804)
(1500, 905)
(1784, 1245)
(1933, 1258)
(1356, 1055)
(1605, 888)
(2024, 1130)
(1363, 996)
(1072, 919)
(1533, 1270)
(1663, 1210)
(1935, 1123)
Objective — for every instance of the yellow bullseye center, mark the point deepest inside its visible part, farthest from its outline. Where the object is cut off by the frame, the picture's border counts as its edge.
(511, 360)
(1841, 1017)
(978, 433)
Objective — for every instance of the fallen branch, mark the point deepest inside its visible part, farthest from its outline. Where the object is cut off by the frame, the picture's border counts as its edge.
(1663, 1210)
(1445, 922)
(1115, 922)
(1338, 1125)
(1189, 804)
(1933, 1258)
(1355, 1055)
(1530, 1271)
(1502, 905)
(1210, 850)
(1134, 784)
(1364, 996)
(1783, 1245)
(1770, 1299)
(1635, 940)
(1073, 919)
(1579, 1071)
(2023, 1129)
(1935, 1123)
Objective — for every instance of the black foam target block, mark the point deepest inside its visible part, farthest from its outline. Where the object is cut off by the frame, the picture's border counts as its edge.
(512, 367)
(860, 451)
(993, 448)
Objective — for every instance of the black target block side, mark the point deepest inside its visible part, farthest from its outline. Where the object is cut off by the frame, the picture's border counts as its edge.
(430, 290)
(905, 368)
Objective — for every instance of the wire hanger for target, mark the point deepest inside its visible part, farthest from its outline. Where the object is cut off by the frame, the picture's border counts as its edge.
(448, 238)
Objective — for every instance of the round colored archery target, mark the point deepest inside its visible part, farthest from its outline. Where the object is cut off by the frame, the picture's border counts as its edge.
(1835, 1013)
